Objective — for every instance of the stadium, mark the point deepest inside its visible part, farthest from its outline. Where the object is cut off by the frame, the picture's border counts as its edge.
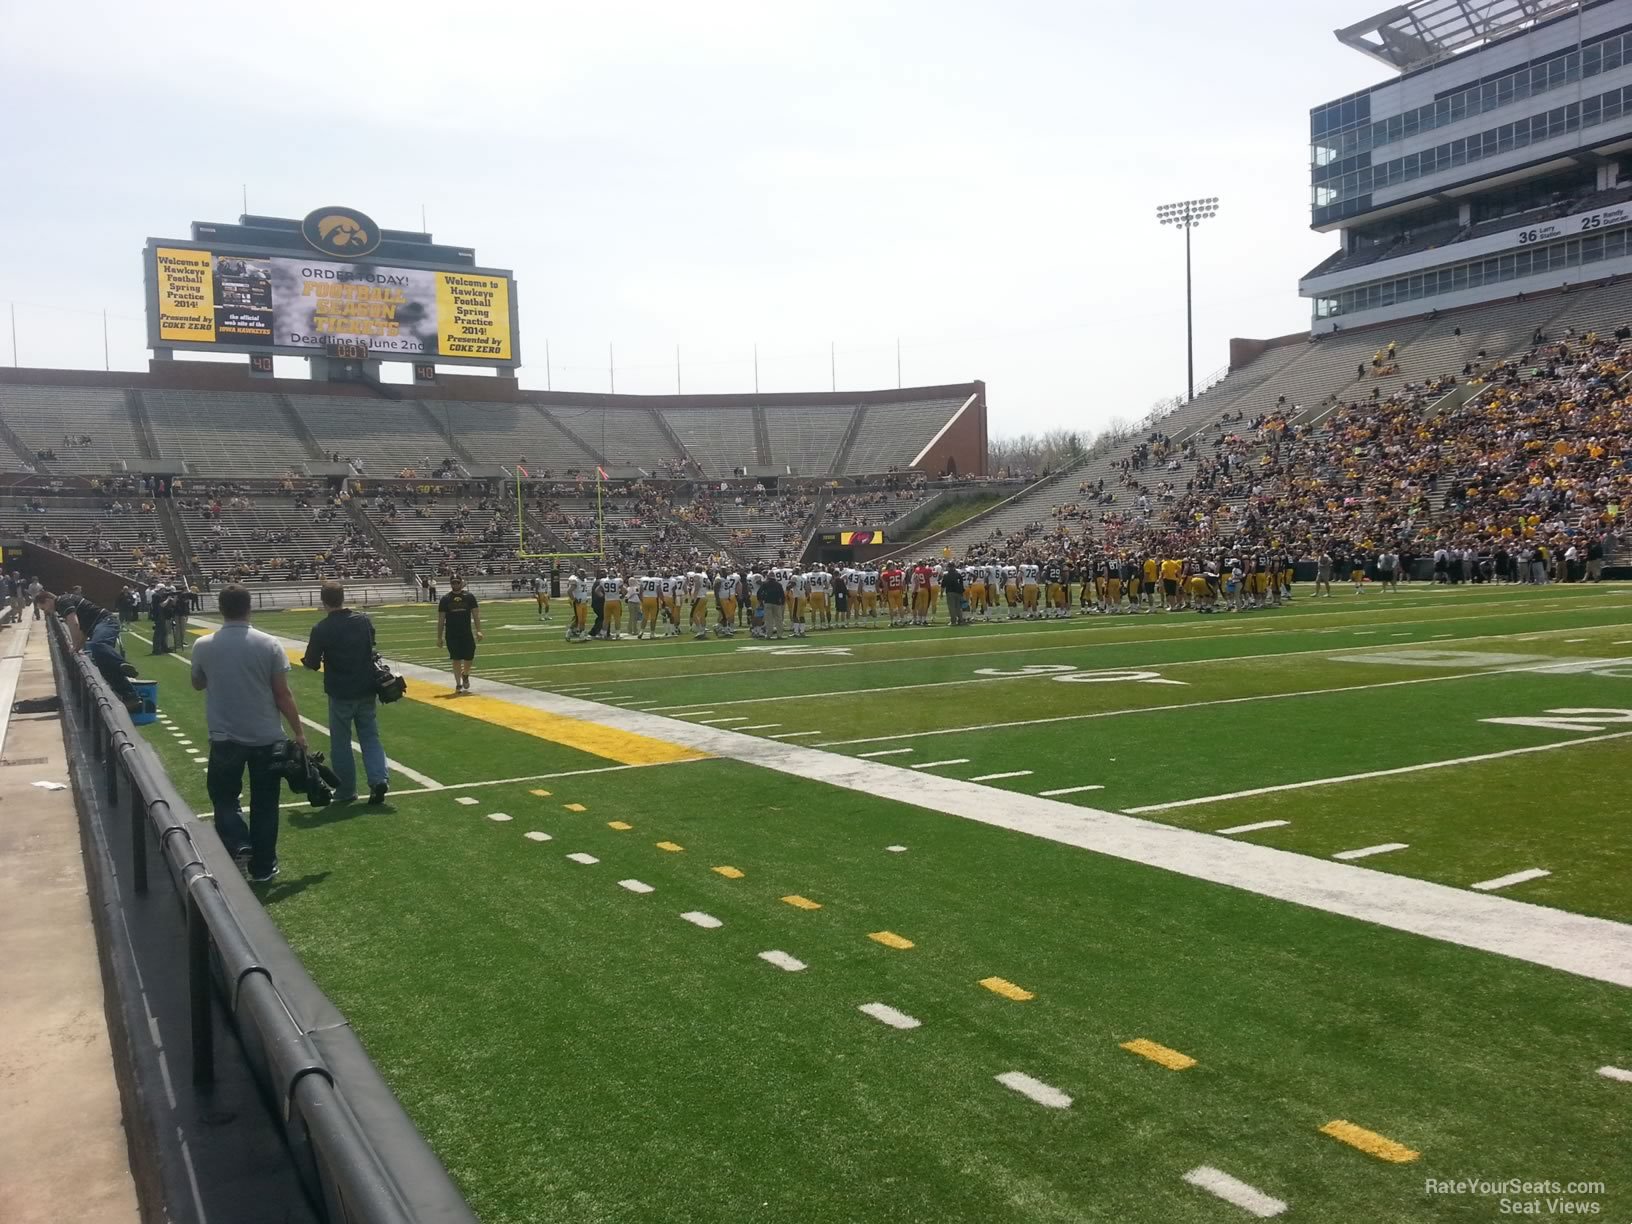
(793, 807)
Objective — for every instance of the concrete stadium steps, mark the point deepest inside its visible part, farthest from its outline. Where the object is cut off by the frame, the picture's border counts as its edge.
(720, 440)
(626, 437)
(507, 434)
(894, 437)
(423, 545)
(310, 536)
(78, 519)
(40, 416)
(388, 436)
(807, 439)
(223, 433)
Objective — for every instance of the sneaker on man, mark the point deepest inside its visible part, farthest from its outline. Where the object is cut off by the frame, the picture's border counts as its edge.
(376, 793)
(267, 878)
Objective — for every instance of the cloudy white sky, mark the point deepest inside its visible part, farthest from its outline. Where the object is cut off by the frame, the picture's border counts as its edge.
(975, 180)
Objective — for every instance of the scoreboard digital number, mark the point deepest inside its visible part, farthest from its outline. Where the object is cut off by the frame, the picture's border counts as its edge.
(349, 348)
(424, 372)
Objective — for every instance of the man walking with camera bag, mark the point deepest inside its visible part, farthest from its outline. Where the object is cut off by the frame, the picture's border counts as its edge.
(244, 676)
(342, 646)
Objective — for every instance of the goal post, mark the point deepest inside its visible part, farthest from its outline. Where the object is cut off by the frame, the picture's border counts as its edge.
(521, 523)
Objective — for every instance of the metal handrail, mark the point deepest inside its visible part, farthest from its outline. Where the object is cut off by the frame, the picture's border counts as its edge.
(353, 1173)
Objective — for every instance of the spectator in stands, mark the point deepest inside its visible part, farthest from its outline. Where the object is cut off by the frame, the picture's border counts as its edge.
(341, 645)
(94, 630)
(244, 676)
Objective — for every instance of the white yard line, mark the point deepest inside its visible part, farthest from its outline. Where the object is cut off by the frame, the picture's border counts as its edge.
(1172, 706)
(885, 1014)
(884, 752)
(1237, 1193)
(998, 777)
(1616, 1073)
(938, 764)
(697, 918)
(1026, 1086)
(782, 960)
(791, 734)
(759, 727)
(1375, 773)
(1507, 881)
(714, 722)
(1368, 851)
(1595, 948)
(1067, 790)
(1255, 826)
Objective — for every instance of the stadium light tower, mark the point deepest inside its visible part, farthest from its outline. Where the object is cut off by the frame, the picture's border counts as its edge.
(1187, 214)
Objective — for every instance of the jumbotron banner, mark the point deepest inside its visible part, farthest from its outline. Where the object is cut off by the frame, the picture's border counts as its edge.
(230, 302)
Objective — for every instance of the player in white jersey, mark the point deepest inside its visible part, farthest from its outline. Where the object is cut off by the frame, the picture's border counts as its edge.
(869, 594)
(541, 592)
(651, 599)
(670, 592)
(798, 589)
(631, 600)
(730, 585)
(696, 589)
(578, 593)
(819, 583)
(1029, 589)
(611, 589)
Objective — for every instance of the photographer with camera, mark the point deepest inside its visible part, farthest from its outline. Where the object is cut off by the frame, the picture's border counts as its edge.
(342, 646)
(244, 676)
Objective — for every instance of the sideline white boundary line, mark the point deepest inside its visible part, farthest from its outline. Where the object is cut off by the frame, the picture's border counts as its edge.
(1375, 773)
(1595, 948)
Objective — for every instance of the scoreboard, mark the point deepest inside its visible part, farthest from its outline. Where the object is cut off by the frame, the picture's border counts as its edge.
(357, 298)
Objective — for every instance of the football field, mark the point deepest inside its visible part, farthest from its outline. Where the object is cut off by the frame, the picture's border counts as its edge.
(1314, 910)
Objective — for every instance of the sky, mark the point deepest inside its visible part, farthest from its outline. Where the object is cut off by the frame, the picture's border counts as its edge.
(974, 182)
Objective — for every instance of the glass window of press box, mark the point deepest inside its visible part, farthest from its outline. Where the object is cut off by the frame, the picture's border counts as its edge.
(1473, 273)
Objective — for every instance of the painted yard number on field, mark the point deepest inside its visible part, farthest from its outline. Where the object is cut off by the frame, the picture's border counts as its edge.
(1575, 718)
(1070, 674)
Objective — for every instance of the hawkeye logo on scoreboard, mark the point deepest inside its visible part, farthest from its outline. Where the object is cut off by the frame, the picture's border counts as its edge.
(340, 231)
(846, 538)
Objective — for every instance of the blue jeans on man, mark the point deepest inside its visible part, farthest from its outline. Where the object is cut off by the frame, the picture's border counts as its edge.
(361, 713)
(224, 780)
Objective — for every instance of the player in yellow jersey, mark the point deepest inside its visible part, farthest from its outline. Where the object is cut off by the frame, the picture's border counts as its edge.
(1170, 568)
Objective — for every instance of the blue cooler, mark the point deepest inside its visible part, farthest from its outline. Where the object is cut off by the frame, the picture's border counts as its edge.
(148, 691)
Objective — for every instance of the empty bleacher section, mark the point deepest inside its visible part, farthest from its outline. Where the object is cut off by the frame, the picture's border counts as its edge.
(223, 433)
(807, 439)
(893, 439)
(386, 436)
(508, 434)
(721, 440)
(78, 429)
(626, 437)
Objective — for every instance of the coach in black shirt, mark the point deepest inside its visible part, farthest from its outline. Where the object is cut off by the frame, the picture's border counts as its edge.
(342, 645)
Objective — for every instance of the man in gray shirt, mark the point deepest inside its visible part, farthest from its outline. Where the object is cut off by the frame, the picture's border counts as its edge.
(244, 676)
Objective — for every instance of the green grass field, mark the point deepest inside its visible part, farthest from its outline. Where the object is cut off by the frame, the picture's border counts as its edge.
(576, 1050)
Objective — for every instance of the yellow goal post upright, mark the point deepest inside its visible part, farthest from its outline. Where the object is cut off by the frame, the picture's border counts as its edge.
(520, 474)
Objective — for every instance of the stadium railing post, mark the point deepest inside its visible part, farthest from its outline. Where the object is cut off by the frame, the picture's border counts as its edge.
(198, 989)
(138, 841)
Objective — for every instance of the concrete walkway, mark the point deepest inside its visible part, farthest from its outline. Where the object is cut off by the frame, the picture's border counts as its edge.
(62, 1141)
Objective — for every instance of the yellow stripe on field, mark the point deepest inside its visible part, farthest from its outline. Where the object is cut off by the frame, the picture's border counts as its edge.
(1157, 1053)
(1369, 1142)
(542, 794)
(730, 873)
(891, 940)
(804, 903)
(1006, 988)
(671, 847)
(619, 825)
(575, 807)
(624, 747)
